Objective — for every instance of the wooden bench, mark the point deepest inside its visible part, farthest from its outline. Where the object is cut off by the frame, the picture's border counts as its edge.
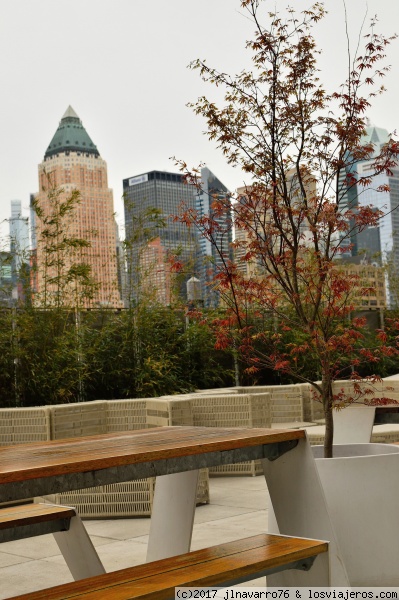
(29, 520)
(223, 565)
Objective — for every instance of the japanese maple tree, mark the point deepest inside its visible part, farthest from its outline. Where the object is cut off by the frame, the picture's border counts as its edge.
(298, 145)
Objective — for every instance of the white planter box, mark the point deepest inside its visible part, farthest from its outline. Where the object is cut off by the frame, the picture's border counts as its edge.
(361, 485)
(353, 424)
(361, 490)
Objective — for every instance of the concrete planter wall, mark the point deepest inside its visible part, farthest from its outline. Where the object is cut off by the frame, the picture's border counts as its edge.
(361, 486)
(353, 424)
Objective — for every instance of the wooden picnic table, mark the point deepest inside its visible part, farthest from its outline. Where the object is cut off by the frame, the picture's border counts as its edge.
(41, 468)
(174, 455)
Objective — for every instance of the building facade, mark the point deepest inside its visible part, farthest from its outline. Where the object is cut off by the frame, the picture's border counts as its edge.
(246, 268)
(369, 293)
(379, 244)
(19, 237)
(213, 200)
(7, 298)
(19, 249)
(153, 236)
(73, 162)
(152, 200)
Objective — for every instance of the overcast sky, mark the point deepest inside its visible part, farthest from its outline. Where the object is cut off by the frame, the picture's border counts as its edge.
(122, 66)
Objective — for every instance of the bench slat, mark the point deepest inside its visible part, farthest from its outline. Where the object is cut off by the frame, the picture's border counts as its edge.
(30, 520)
(243, 559)
(28, 514)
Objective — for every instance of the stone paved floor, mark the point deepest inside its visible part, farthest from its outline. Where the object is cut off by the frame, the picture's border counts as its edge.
(238, 508)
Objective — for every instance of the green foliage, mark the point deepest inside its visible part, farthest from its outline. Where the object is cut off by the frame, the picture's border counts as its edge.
(57, 356)
(110, 342)
(50, 365)
(7, 359)
(205, 367)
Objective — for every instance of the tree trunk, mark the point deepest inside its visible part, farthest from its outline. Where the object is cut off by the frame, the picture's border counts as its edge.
(328, 408)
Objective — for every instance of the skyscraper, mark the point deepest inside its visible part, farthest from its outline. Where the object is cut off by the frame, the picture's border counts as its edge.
(73, 162)
(7, 297)
(212, 255)
(380, 243)
(19, 242)
(151, 200)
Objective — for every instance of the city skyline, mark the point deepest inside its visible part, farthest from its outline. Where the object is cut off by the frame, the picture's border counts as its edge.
(123, 69)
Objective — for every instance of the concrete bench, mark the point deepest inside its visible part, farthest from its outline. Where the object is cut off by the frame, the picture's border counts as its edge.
(223, 565)
(29, 520)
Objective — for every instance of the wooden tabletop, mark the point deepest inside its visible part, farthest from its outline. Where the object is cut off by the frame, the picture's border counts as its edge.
(79, 455)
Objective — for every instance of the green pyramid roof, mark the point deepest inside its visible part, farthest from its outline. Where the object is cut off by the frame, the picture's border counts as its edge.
(71, 136)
